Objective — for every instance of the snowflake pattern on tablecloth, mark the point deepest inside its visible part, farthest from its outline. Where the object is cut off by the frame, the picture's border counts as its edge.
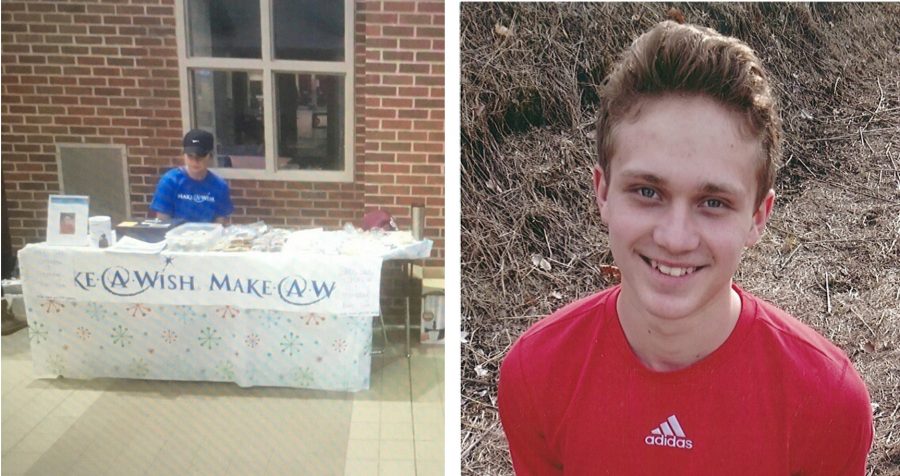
(52, 305)
(252, 340)
(228, 311)
(313, 319)
(340, 345)
(270, 320)
(208, 338)
(303, 376)
(226, 370)
(83, 333)
(138, 310)
(121, 336)
(251, 373)
(37, 332)
(138, 368)
(290, 344)
(96, 311)
(186, 314)
(169, 336)
(57, 364)
(361, 326)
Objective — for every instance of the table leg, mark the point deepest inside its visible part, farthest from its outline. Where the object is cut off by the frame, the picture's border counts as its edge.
(407, 326)
(383, 335)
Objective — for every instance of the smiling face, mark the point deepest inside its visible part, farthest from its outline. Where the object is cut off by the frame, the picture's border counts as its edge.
(680, 205)
(197, 165)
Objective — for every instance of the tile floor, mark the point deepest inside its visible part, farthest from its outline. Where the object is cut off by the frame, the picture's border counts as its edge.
(123, 427)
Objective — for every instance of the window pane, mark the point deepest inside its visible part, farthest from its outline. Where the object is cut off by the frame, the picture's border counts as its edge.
(224, 28)
(230, 103)
(310, 30)
(310, 121)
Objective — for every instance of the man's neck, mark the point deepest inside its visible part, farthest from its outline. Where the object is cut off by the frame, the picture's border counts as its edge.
(666, 345)
(197, 177)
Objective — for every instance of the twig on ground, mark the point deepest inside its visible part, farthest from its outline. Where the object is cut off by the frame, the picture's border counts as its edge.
(853, 310)
(531, 316)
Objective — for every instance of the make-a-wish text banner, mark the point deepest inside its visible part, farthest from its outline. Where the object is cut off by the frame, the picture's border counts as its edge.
(348, 285)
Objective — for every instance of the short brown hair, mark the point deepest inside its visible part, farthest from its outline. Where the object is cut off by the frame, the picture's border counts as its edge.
(671, 57)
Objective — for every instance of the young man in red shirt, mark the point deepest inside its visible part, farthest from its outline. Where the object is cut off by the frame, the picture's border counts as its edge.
(677, 370)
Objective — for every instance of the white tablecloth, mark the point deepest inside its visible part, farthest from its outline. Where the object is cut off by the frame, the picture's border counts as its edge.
(269, 319)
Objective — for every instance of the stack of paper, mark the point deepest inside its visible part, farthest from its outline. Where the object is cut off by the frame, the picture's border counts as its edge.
(127, 244)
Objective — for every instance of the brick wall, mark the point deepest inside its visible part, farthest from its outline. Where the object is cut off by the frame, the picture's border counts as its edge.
(97, 72)
(404, 123)
(404, 141)
(83, 73)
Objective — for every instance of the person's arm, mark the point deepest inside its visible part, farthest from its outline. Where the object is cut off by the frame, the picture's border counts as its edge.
(521, 421)
(224, 206)
(164, 198)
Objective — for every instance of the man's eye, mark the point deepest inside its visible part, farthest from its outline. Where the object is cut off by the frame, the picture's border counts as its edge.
(647, 192)
(714, 203)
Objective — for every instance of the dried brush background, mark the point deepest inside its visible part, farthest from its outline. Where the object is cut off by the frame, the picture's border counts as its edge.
(531, 236)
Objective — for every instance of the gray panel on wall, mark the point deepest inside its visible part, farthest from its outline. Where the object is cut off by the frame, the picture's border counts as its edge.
(100, 172)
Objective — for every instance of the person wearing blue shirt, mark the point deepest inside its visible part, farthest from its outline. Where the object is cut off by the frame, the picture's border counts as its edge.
(191, 192)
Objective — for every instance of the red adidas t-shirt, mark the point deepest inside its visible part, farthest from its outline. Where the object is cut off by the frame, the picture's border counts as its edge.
(775, 399)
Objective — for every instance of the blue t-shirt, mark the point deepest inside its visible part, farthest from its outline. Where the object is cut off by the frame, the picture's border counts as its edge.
(180, 196)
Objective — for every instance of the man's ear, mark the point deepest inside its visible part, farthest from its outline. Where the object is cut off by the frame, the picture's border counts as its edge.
(600, 190)
(760, 218)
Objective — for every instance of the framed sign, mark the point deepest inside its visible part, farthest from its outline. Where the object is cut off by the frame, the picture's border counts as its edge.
(67, 220)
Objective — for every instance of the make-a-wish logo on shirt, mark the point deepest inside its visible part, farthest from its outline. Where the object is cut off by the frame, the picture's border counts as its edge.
(197, 198)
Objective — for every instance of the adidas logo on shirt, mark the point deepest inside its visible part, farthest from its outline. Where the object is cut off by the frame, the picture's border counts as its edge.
(669, 433)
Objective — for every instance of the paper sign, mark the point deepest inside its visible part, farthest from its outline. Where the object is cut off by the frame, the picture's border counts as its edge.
(67, 220)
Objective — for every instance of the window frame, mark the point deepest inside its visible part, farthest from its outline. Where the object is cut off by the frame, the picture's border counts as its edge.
(269, 67)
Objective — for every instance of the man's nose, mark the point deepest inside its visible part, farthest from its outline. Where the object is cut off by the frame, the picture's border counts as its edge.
(677, 231)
